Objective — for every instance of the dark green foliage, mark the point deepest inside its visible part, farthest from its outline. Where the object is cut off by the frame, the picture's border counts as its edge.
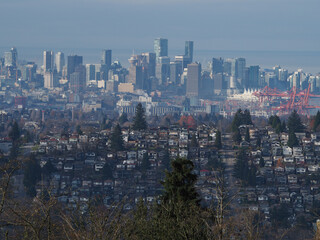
(14, 134)
(261, 162)
(279, 215)
(294, 123)
(247, 136)
(32, 174)
(123, 118)
(179, 183)
(117, 139)
(139, 122)
(283, 126)
(316, 122)
(293, 140)
(275, 122)
(106, 172)
(242, 170)
(78, 129)
(236, 137)
(215, 163)
(145, 164)
(218, 142)
(194, 141)
(165, 160)
(241, 118)
(48, 168)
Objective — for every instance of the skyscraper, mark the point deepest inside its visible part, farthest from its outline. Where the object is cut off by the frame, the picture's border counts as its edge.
(135, 72)
(78, 78)
(188, 50)
(160, 48)
(11, 58)
(48, 61)
(217, 65)
(193, 80)
(60, 62)
(254, 74)
(163, 70)
(90, 73)
(73, 62)
(106, 57)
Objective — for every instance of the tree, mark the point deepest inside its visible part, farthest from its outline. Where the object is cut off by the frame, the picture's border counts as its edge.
(293, 140)
(117, 139)
(294, 123)
(237, 137)
(241, 118)
(139, 122)
(247, 136)
(179, 183)
(165, 160)
(145, 164)
(32, 174)
(48, 168)
(242, 170)
(218, 142)
(14, 134)
(106, 172)
(316, 122)
(194, 141)
(78, 129)
(123, 118)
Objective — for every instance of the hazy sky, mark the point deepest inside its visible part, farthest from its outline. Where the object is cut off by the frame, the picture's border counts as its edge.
(212, 24)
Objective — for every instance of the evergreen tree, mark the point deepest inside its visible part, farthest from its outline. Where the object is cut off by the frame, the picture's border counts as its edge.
(218, 142)
(106, 172)
(139, 122)
(283, 126)
(247, 136)
(247, 117)
(294, 123)
(237, 137)
(293, 140)
(78, 129)
(48, 169)
(145, 164)
(276, 121)
(261, 162)
(194, 141)
(278, 128)
(123, 118)
(236, 122)
(316, 121)
(179, 183)
(165, 160)
(14, 134)
(32, 174)
(117, 139)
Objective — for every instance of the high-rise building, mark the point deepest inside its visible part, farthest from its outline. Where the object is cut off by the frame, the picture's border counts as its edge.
(253, 77)
(11, 58)
(183, 60)
(90, 73)
(193, 80)
(151, 63)
(135, 72)
(163, 70)
(241, 66)
(48, 79)
(175, 71)
(216, 65)
(188, 50)
(48, 62)
(73, 62)
(106, 57)
(78, 79)
(60, 62)
(160, 48)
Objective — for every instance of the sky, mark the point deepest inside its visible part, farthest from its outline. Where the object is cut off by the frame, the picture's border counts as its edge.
(133, 24)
